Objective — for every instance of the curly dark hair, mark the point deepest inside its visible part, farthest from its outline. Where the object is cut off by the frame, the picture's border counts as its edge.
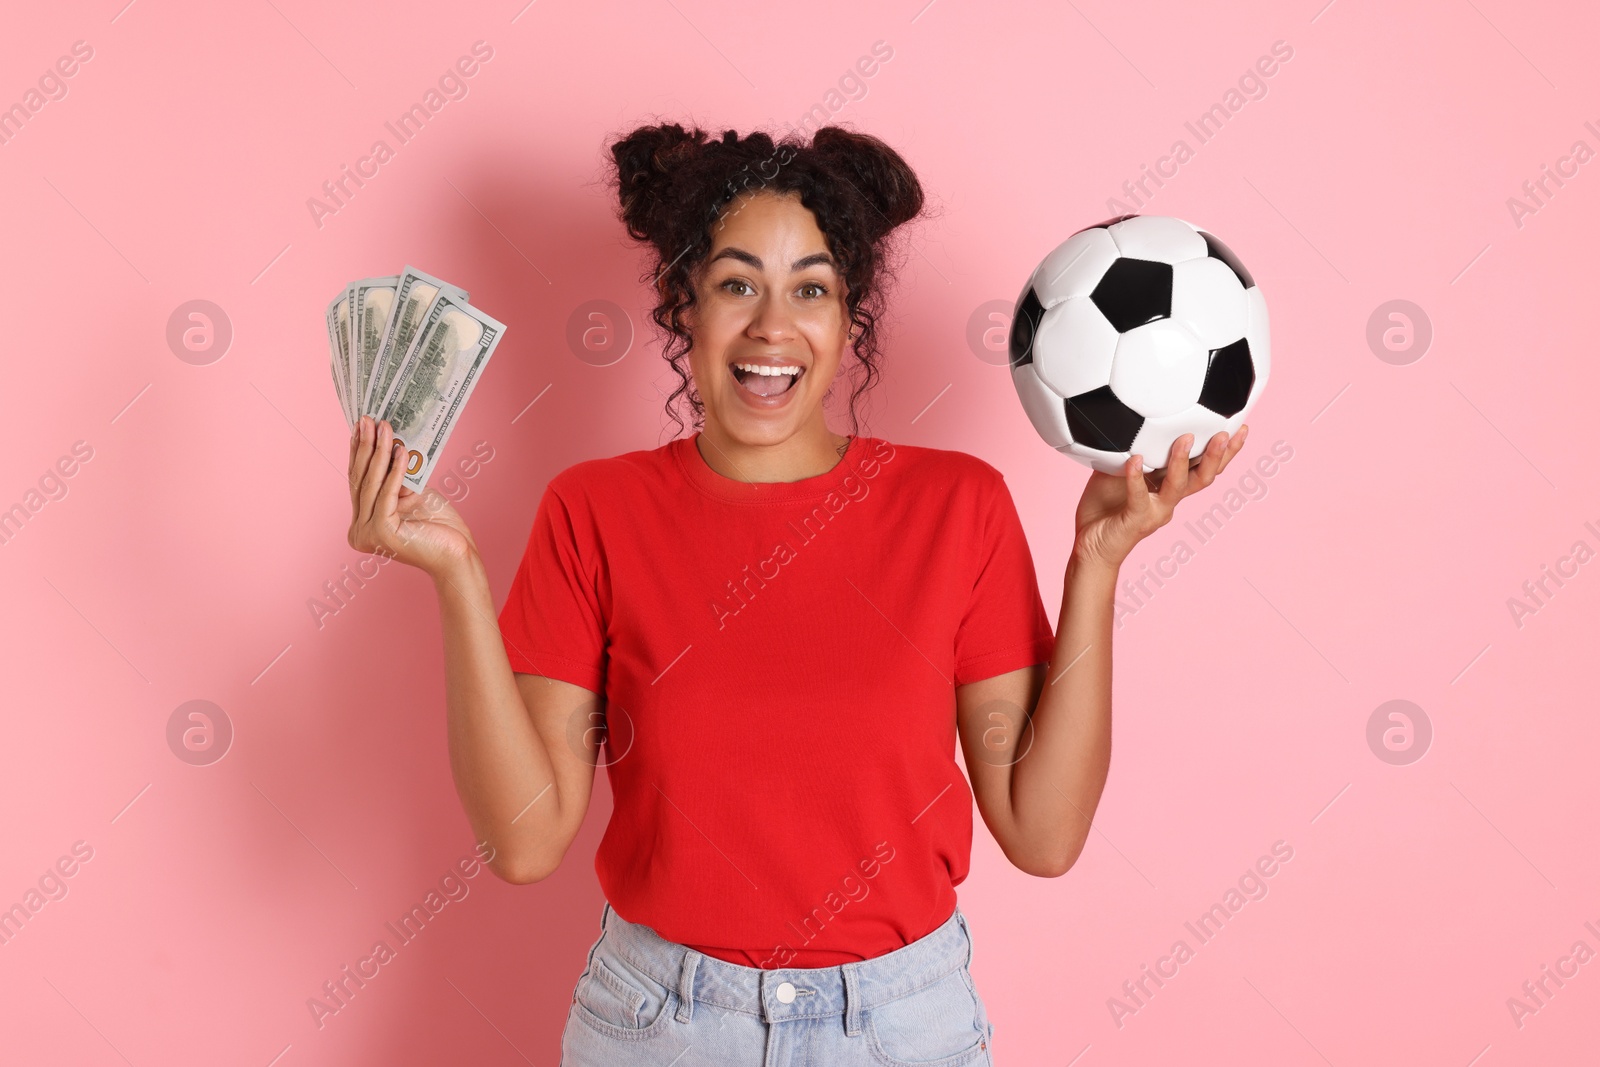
(673, 185)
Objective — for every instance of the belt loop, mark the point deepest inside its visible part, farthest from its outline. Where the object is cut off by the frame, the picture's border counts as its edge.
(966, 933)
(852, 1001)
(691, 960)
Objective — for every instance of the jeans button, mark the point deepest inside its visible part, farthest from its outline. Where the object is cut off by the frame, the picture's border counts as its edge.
(786, 992)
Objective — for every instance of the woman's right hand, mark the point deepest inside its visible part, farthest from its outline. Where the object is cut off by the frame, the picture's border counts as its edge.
(420, 529)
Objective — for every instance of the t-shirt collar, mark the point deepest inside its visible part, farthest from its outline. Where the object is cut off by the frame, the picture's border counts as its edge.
(702, 477)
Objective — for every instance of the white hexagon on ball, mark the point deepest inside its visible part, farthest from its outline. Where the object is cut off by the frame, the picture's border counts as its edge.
(1087, 343)
(1207, 298)
(1075, 267)
(1043, 405)
(1159, 368)
(1157, 237)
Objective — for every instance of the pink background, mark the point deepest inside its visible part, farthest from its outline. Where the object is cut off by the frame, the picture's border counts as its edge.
(1377, 566)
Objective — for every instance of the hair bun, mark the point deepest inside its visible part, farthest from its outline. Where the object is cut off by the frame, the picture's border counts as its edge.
(877, 171)
(647, 161)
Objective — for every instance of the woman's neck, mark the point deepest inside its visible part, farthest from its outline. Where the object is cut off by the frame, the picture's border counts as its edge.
(804, 455)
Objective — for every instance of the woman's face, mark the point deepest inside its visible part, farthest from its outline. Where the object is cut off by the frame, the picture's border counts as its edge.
(768, 294)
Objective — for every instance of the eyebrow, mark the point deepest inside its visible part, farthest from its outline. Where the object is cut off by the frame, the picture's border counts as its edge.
(814, 259)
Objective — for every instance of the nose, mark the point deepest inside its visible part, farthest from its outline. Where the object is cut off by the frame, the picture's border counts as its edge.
(772, 322)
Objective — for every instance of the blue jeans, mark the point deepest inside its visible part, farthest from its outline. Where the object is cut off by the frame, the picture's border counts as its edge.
(644, 1001)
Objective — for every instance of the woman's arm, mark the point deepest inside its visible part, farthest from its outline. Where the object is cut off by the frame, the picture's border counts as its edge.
(1037, 786)
(1037, 741)
(521, 748)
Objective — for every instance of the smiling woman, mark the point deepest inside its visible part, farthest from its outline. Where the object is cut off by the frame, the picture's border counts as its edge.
(752, 762)
(774, 753)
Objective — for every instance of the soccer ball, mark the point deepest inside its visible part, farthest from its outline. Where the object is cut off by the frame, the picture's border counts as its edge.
(1134, 332)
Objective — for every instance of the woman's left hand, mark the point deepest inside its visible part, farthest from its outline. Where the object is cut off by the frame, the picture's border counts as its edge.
(1118, 511)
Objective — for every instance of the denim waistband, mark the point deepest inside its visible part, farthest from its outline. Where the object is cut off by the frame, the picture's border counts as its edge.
(781, 993)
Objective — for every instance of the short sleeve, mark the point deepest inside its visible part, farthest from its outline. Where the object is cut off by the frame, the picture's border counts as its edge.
(1005, 626)
(553, 622)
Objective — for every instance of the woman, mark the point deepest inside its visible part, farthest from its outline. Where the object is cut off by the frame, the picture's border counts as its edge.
(778, 632)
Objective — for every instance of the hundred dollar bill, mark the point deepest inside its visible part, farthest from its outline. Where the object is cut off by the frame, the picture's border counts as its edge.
(413, 294)
(371, 301)
(447, 357)
(338, 385)
(339, 345)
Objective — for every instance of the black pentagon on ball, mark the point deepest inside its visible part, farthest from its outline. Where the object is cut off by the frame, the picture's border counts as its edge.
(1230, 374)
(1106, 223)
(1024, 328)
(1098, 419)
(1217, 250)
(1133, 292)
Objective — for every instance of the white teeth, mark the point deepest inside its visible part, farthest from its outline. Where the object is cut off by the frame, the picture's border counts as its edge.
(758, 368)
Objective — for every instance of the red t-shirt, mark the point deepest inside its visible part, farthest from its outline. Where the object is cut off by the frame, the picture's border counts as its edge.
(778, 662)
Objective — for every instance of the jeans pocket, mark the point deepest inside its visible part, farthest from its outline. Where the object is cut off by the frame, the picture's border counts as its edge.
(943, 1024)
(619, 999)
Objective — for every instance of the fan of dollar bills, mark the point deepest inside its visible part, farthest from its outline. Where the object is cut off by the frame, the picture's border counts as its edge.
(409, 349)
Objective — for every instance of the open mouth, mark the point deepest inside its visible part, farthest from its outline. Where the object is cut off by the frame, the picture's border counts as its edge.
(766, 381)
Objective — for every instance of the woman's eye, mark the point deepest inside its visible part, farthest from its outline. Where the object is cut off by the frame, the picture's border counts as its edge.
(734, 281)
(822, 290)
